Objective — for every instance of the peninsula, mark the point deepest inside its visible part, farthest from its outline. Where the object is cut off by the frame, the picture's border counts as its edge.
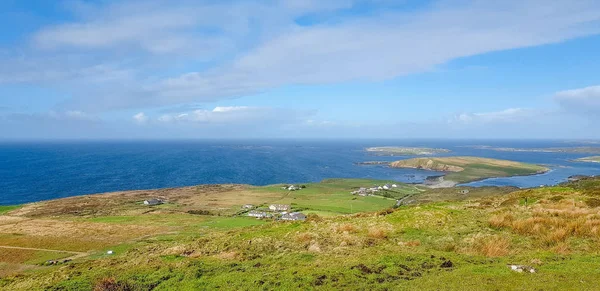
(405, 151)
(469, 169)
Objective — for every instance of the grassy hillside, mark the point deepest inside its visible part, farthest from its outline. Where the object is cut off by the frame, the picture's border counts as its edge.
(468, 169)
(450, 245)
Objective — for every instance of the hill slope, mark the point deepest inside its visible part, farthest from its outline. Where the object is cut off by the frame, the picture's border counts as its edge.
(467, 245)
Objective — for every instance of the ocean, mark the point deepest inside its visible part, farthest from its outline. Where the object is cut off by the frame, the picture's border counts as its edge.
(34, 171)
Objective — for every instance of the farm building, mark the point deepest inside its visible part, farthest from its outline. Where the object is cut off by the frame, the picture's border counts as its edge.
(259, 214)
(279, 207)
(153, 202)
(294, 216)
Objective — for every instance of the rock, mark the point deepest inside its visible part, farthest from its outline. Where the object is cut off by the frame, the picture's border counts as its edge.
(522, 269)
(447, 264)
(314, 248)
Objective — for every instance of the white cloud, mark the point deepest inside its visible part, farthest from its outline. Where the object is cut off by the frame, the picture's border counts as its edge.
(143, 54)
(234, 115)
(133, 52)
(585, 100)
(140, 118)
(502, 116)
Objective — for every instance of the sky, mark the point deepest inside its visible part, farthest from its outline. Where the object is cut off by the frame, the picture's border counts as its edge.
(179, 69)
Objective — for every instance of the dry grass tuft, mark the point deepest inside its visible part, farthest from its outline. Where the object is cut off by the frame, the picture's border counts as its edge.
(231, 255)
(377, 233)
(553, 223)
(492, 246)
(562, 249)
(349, 228)
(304, 237)
(501, 221)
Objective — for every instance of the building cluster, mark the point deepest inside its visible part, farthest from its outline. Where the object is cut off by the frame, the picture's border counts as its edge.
(362, 191)
(279, 211)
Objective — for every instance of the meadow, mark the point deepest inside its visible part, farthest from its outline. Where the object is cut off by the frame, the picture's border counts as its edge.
(446, 240)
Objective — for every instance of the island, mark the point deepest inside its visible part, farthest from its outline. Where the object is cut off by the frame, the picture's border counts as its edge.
(468, 169)
(570, 150)
(594, 159)
(405, 151)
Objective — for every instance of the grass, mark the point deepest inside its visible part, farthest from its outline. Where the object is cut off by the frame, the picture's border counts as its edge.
(31, 257)
(8, 208)
(333, 196)
(461, 244)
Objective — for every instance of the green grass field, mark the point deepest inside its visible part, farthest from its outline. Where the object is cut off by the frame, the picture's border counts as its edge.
(6, 209)
(333, 196)
(452, 241)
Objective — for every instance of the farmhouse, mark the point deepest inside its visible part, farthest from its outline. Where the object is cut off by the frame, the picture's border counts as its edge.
(387, 187)
(394, 186)
(153, 202)
(279, 207)
(464, 191)
(259, 214)
(248, 206)
(294, 216)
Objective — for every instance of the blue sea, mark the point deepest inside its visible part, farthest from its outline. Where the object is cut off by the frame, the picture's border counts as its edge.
(34, 171)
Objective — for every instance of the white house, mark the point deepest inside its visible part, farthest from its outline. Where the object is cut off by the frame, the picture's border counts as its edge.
(293, 216)
(394, 186)
(387, 186)
(279, 207)
(248, 206)
(259, 214)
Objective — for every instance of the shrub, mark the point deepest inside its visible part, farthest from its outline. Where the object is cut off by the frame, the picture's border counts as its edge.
(199, 212)
(592, 202)
(110, 284)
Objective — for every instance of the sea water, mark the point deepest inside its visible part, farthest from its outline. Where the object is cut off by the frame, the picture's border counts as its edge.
(34, 171)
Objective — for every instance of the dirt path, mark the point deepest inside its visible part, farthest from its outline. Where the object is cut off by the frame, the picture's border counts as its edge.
(75, 255)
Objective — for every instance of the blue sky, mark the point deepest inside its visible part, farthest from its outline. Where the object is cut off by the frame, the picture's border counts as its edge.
(299, 68)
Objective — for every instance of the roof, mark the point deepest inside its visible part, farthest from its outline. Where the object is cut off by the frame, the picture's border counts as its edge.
(153, 201)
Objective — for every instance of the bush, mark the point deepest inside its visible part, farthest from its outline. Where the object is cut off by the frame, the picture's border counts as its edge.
(199, 212)
(110, 284)
(593, 202)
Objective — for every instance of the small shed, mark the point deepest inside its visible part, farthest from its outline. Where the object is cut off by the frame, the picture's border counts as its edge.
(153, 202)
